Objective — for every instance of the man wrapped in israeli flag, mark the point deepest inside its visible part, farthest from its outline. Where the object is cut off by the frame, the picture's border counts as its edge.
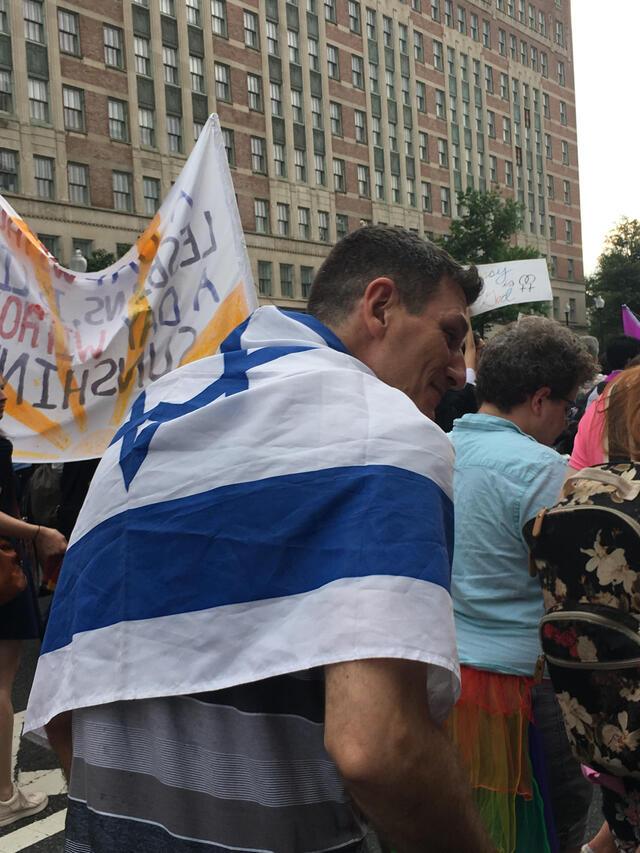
(252, 636)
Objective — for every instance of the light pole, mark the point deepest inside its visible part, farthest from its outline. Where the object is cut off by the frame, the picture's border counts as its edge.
(598, 304)
(567, 311)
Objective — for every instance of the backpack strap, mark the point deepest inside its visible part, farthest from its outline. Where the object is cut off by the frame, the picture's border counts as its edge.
(627, 490)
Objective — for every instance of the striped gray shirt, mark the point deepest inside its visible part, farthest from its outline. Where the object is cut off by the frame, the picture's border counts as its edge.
(242, 769)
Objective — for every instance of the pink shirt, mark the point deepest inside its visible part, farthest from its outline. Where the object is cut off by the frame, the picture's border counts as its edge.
(588, 447)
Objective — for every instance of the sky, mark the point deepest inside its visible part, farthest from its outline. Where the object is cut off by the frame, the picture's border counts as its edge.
(606, 53)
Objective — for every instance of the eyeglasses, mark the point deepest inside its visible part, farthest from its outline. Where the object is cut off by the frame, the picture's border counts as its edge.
(569, 405)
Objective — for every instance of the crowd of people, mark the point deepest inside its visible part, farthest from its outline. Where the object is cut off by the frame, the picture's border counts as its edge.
(255, 637)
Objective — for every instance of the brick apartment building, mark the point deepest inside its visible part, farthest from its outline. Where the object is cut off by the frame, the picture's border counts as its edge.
(335, 112)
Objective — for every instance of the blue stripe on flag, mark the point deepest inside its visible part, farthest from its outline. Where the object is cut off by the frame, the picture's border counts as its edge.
(252, 541)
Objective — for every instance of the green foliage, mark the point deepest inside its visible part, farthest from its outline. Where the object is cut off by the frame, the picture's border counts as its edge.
(616, 279)
(100, 259)
(482, 235)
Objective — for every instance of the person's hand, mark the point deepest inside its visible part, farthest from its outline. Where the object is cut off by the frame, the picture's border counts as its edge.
(49, 543)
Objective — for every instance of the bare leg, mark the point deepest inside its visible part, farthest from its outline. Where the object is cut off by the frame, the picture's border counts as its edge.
(9, 661)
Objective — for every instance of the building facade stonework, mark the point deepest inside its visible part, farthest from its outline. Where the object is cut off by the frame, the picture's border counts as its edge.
(335, 113)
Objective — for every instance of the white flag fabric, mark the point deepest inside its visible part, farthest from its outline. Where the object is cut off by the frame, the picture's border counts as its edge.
(77, 348)
(269, 509)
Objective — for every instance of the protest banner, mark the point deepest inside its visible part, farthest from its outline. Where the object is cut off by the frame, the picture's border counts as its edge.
(512, 283)
(77, 348)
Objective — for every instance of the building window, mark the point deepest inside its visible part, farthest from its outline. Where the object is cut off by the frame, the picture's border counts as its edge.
(426, 196)
(251, 36)
(68, 32)
(229, 146)
(272, 39)
(335, 114)
(282, 219)
(320, 169)
(374, 83)
(264, 277)
(167, 7)
(357, 72)
(486, 33)
(568, 230)
(146, 123)
(342, 225)
(502, 43)
(566, 192)
(544, 64)
(387, 31)
(118, 128)
(364, 186)
(286, 280)
(78, 179)
(418, 46)
(142, 56)
(73, 108)
(4, 16)
(306, 280)
(261, 212)
(488, 78)
(423, 146)
(330, 10)
(390, 85)
(376, 130)
(570, 271)
(559, 34)
(122, 198)
(360, 119)
(354, 16)
(493, 169)
(508, 173)
(38, 99)
(445, 201)
(8, 170)
(421, 96)
(403, 38)
(170, 64)
(316, 113)
(304, 223)
(300, 165)
(435, 10)
(506, 130)
(563, 113)
(33, 13)
(174, 134)
(333, 64)
(323, 226)
(314, 55)
(462, 20)
(441, 110)
(6, 101)
(561, 74)
(395, 189)
(552, 228)
(193, 13)
(279, 164)
(43, 168)
(254, 92)
(151, 193)
(565, 152)
(223, 82)
(448, 12)
(113, 53)
(339, 180)
(196, 73)
(443, 153)
(438, 62)
(548, 149)
(275, 95)
(219, 17)
(551, 187)
(294, 49)
(258, 157)
(491, 124)
(296, 106)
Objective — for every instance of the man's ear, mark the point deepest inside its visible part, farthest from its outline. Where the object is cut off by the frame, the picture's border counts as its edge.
(379, 298)
(538, 398)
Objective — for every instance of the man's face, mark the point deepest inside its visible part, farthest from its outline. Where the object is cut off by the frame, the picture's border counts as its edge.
(421, 353)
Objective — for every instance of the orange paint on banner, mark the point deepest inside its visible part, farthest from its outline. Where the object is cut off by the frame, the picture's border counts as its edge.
(230, 314)
(139, 311)
(34, 420)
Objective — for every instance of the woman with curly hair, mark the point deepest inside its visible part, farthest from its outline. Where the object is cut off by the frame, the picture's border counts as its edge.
(508, 725)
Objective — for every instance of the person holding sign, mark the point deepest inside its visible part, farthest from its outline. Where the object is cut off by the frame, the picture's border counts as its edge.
(506, 722)
(19, 620)
(252, 633)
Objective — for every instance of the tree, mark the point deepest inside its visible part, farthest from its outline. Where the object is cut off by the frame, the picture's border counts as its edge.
(482, 235)
(616, 279)
(100, 259)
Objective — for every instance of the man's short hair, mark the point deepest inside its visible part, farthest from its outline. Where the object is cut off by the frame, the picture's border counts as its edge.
(416, 266)
(534, 353)
(619, 351)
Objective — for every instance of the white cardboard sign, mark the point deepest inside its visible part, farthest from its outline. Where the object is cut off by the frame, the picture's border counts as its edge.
(511, 283)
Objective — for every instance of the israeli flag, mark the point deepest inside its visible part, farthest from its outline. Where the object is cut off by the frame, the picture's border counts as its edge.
(269, 509)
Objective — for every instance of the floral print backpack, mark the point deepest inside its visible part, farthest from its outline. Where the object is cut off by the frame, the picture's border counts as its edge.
(586, 553)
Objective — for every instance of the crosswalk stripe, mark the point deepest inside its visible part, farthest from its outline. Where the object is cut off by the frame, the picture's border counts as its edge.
(18, 720)
(33, 833)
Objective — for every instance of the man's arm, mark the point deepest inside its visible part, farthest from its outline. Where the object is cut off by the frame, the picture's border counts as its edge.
(397, 764)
